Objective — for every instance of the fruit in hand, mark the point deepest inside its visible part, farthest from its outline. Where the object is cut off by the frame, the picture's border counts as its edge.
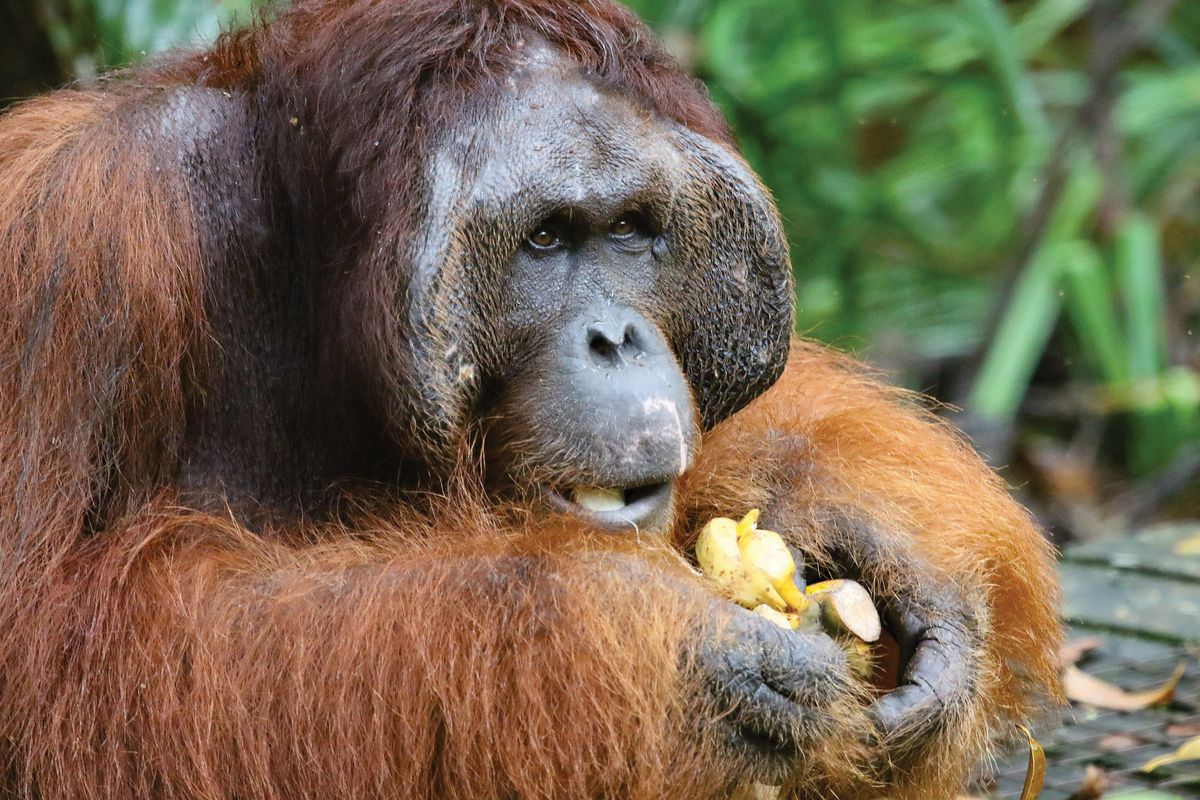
(778, 617)
(720, 558)
(767, 551)
(757, 568)
(846, 606)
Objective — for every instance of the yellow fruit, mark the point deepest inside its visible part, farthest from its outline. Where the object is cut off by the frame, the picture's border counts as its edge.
(779, 618)
(751, 587)
(808, 620)
(717, 549)
(758, 570)
(748, 523)
(860, 656)
(720, 559)
(767, 551)
(846, 607)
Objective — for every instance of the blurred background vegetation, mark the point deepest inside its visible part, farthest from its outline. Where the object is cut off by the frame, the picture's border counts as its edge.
(998, 202)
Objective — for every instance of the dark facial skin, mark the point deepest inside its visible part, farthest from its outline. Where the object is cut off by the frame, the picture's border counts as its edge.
(596, 265)
(593, 228)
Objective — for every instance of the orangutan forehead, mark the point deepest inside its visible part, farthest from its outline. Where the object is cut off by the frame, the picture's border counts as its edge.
(553, 137)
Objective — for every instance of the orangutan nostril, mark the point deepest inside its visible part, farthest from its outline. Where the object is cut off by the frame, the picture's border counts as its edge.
(602, 348)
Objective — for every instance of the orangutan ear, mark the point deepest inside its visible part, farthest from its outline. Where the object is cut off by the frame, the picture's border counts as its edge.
(734, 329)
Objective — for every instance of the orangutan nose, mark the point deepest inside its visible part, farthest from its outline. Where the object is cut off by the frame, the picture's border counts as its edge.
(630, 396)
(614, 341)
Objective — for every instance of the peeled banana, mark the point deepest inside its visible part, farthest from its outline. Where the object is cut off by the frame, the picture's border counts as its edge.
(756, 567)
(767, 551)
(846, 606)
(720, 557)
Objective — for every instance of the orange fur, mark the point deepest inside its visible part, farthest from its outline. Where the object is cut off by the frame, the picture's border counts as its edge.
(206, 661)
(438, 649)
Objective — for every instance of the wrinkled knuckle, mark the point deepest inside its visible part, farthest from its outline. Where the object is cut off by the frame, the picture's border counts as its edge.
(887, 720)
(792, 660)
(824, 685)
(957, 611)
(952, 631)
(762, 695)
(956, 645)
(809, 651)
(821, 694)
(931, 702)
(822, 655)
(730, 673)
(742, 684)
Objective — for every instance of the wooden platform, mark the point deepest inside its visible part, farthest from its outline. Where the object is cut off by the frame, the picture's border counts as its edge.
(1141, 596)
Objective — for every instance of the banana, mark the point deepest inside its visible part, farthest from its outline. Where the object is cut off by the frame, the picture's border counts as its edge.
(717, 549)
(778, 617)
(757, 568)
(767, 551)
(748, 523)
(846, 607)
(720, 559)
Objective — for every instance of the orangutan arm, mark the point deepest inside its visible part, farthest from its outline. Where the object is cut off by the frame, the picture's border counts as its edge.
(206, 660)
(185, 655)
(869, 486)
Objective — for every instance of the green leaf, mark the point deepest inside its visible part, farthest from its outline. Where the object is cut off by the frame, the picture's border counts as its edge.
(1045, 20)
(1022, 335)
(1000, 45)
(1089, 302)
(1140, 274)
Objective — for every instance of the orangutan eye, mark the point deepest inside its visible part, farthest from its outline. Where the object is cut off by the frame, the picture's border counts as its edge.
(624, 227)
(545, 237)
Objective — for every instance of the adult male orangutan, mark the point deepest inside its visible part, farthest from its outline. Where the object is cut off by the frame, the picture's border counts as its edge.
(364, 381)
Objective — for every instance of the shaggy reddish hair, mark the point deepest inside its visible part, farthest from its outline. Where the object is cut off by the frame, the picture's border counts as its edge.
(377, 106)
(149, 648)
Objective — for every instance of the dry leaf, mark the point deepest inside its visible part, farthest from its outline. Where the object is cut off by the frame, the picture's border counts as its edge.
(1188, 751)
(1090, 690)
(1188, 547)
(1182, 730)
(1072, 651)
(1095, 784)
(1116, 742)
(1035, 770)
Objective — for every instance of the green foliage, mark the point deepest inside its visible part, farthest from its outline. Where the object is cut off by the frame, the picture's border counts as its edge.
(130, 29)
(98, 34)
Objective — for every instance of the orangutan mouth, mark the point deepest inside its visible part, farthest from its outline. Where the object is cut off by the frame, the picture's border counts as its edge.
(642, 507)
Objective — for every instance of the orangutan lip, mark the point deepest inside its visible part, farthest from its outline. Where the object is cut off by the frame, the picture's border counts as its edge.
(637, 507)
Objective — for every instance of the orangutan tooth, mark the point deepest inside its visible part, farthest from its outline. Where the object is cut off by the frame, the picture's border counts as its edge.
(595, 498)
